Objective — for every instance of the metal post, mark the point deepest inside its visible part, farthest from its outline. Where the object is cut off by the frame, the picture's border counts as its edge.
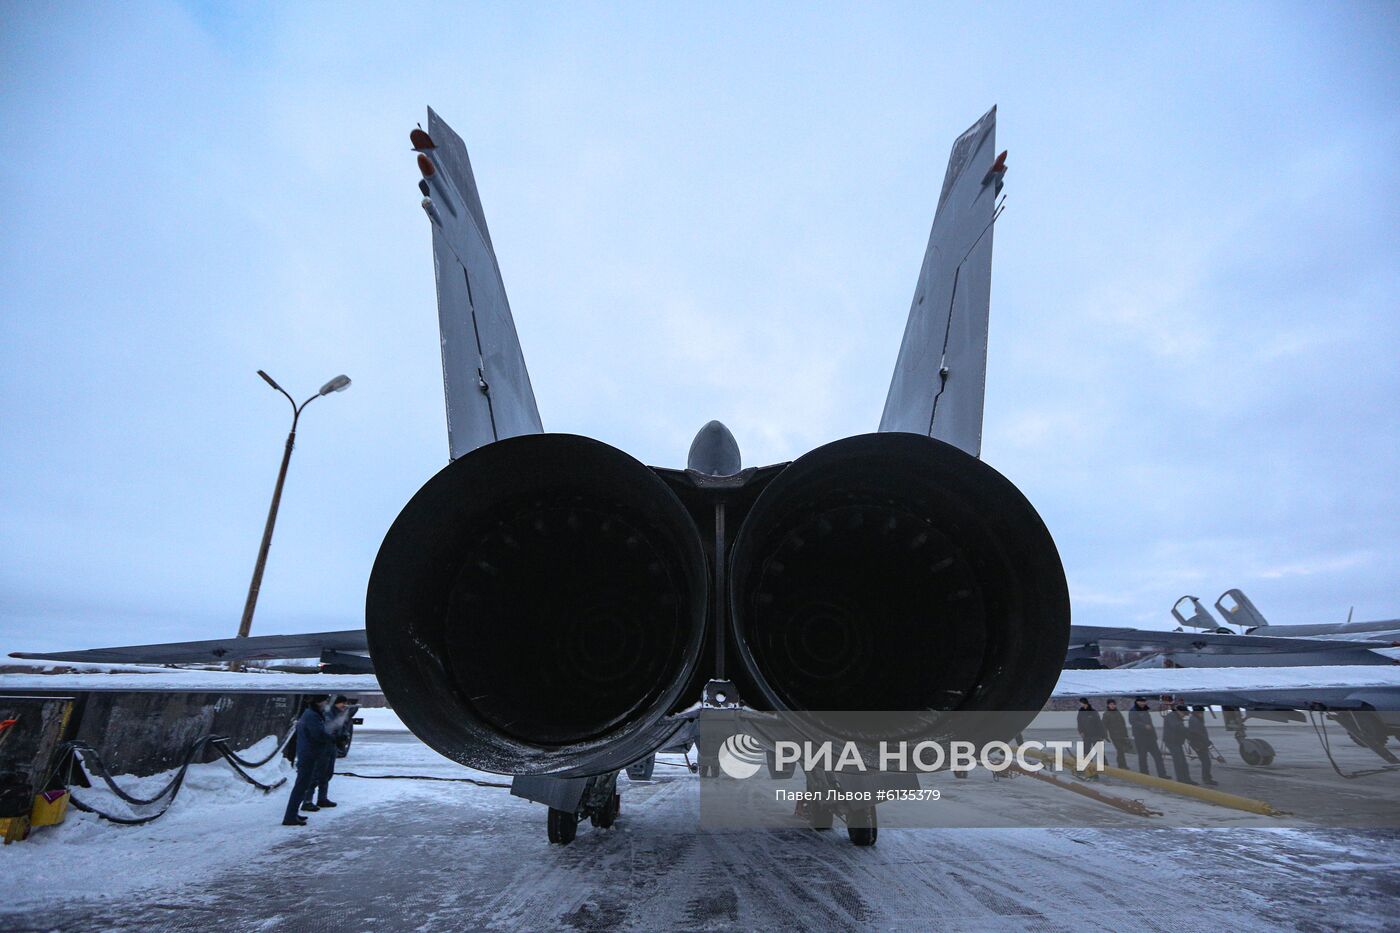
(339, 383)
(256, 584)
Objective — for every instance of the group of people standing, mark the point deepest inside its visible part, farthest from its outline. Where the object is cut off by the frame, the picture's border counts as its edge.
(323, 733)
(1180, 728)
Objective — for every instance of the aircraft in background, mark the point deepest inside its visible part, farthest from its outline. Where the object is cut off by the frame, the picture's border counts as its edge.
(1215, 645)
(1366, 709)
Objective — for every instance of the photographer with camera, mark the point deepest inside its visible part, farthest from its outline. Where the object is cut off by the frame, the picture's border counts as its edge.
(340, 726)
(312, 739)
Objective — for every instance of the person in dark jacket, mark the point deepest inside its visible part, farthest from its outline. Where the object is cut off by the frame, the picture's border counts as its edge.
(338, 725)
(312, 740)
(1199, 740)
(1117, 730)
(1145, 736)
(1174, 737)
(1089, 724)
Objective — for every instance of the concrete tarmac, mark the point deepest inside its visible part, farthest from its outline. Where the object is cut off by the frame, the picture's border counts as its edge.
(461, 857)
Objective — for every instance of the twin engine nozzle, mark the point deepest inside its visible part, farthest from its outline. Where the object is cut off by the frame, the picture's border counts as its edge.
(544, 603)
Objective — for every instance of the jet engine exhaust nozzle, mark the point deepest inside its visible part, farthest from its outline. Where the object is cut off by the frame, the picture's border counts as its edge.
(538, 607)
(896, 572)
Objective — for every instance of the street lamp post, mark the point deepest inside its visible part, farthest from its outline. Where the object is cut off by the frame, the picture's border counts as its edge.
(338, 384)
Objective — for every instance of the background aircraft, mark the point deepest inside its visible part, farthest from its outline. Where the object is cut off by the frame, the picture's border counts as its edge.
(1257, 645)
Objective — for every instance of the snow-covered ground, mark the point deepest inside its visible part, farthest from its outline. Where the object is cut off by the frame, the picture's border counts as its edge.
(413, 855)
(217, 821)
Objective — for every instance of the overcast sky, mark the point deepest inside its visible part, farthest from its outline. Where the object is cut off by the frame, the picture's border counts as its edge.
(699, 213)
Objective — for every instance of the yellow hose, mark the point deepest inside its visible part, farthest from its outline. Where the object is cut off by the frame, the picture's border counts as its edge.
(1209, 795)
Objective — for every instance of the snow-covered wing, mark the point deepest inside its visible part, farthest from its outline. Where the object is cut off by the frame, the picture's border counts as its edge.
(158, 680)
(1336, 687)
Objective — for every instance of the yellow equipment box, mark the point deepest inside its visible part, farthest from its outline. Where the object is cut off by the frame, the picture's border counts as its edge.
(14, 828)
(50, 808)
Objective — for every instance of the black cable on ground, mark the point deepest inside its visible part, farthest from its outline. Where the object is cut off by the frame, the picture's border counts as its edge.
(233, 762)
(83, 750)
(123, 820)
(420, 777)
(276, 749)
(80, 752)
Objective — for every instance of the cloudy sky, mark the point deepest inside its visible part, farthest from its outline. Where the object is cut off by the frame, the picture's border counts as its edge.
(699, 213)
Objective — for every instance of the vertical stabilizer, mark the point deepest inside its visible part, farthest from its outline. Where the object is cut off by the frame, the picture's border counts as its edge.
(940, 376)
(1237, 609)
(486, 385)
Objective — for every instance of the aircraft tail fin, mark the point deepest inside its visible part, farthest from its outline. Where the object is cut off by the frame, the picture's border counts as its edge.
(485, 382)
(1239, 611)
(1200, 616)
(940, 377)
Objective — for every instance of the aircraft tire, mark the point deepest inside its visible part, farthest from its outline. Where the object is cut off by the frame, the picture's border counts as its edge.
(605, 817)
(861, 828)
(1256, 753)
(563, 826)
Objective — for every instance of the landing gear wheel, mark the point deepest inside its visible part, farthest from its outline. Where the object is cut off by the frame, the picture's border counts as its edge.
(861, 828)
(605, 817)
(1256, 753)
(563, 826)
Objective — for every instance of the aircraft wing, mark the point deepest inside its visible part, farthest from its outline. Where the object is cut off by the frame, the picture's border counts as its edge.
(1333, 686)
(485, 382)
(941, 374)
(184, 681)
(212, 651)
(1087, 641)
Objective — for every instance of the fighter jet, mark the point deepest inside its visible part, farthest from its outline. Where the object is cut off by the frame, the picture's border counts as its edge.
(549, 607)
(1361, 703)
